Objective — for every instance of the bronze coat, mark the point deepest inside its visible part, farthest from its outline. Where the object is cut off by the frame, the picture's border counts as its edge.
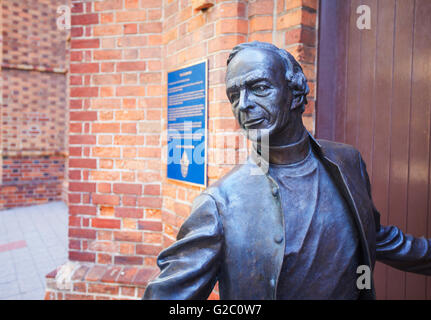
(235, 233)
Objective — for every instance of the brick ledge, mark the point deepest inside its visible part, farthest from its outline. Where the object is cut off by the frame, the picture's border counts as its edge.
(77, 281)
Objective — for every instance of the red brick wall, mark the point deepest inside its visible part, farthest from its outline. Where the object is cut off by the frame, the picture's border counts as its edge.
(122, 208)
(33, 108)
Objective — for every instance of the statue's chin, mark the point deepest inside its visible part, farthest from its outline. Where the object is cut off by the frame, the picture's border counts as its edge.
(257, 136)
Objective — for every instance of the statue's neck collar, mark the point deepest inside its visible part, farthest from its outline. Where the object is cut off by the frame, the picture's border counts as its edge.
(287, 154)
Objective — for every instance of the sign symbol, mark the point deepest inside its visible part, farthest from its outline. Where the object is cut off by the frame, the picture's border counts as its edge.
(184, 164)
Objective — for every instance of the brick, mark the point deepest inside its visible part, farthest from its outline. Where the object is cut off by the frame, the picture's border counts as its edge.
(105, 79)
(107, 66)
(82, 186)
(107, 30)
(83, 116)
(103, 289)
(80, 273)
(106, 103)
(261, 23)
(76, 56)
(85, 19)
(106, 223)
(82, 233)
(125, 188)
(106, 17)
(107, 55)
(78, 8)
(135, 213)
(111, 275)
(155, 40)
(144, 276)
(133, 41)
(130, 16)
(150, 4)
(231, 10)
(154, 14)
(127, 275)
(300, 35)
(82, 256)
(79, 287)
(105, 128)
(104, 175)
(150, 202)
(109, 152)
(84, 43)
(131, 4)
(150, 225)
(146, 249)
(75, 80)
(83, 163)
(130, 28)
(106, 199)
(292, 4)
(103, 246)
(104, 187)
(261, 7)
(131, 66)
(296, 17)
(84, 92)
(95, 273)
(107, 211)
(131, 91)
(131, 236)
(82, 139)
(74, 296)
(107, 5)
(232, 26)
(128, 260)
(85, 210)
(150, 27)
(225, 42)
(104, 258)
(152, 190)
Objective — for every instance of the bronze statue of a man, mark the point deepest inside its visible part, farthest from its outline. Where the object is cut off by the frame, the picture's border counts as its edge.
(298, 230)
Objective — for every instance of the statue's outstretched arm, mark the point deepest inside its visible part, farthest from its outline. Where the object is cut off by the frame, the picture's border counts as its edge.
(189, 266)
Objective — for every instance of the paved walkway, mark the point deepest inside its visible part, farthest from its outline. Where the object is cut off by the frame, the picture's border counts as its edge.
(33, 242)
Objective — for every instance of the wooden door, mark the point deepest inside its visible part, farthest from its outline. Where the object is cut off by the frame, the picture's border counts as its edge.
(374, 92)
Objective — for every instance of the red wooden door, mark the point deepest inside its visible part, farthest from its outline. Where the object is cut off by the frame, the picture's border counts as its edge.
(374, 92)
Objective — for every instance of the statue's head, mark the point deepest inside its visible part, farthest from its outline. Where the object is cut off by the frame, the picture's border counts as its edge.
(266, 87)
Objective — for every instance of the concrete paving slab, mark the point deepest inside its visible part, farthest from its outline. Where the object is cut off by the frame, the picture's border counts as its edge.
(33, 242)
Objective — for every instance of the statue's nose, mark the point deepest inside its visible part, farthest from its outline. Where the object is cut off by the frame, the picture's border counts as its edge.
(244, 102)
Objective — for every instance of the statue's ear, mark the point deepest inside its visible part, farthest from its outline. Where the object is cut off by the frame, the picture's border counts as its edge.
(296, 102)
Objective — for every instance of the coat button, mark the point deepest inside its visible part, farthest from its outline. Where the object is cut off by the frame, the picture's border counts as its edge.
(275, 191)
(278, 239)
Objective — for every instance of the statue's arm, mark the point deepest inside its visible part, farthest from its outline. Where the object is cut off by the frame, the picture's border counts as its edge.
(396, 249)
(189, 267)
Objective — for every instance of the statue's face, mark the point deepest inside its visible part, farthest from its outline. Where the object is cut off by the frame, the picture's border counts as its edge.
(257, 89)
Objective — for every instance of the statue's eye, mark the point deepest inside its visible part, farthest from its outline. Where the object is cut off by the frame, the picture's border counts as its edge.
(260, 89)
(234, 97)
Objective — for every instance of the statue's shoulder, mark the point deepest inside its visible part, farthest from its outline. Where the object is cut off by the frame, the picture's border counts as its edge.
(339, 152)
(237, 177)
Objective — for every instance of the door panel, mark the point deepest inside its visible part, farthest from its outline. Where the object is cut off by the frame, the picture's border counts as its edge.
(373, 92)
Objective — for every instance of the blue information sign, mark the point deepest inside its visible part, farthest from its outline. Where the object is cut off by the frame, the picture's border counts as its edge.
(187, 124)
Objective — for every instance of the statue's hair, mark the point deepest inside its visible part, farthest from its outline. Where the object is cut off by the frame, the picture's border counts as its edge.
(295, 77)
